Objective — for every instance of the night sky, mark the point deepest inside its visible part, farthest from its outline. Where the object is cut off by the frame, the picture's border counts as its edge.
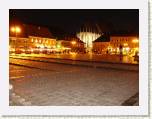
(71, 20)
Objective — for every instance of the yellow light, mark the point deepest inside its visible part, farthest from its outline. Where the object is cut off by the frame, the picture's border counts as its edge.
(127, 48)
(12, 49)
(41, 50)
(125, 44)
(22, 50)
(32, 40)
(36, 41)
(49, 46)
(73, 42)
(41, 46)
(135, 40)
(137, 49)
(109, 47)
(73, 53)
(58, 46)
(31, 50)
(18, 30)
(13, 29)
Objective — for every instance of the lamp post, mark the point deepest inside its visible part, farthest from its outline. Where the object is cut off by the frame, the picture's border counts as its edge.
(16, 30)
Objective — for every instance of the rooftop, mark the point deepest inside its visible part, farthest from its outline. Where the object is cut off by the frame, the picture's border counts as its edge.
(103, 38)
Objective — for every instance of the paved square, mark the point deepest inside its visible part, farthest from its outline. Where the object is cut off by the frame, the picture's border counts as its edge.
(65, 85)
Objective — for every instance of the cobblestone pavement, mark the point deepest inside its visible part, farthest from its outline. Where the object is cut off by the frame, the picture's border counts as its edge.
(67, 85)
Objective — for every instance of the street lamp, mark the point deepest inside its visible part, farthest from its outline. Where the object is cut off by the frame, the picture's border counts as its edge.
(16, 30)
(73, 42)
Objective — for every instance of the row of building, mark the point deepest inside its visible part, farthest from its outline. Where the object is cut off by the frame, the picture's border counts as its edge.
(127, 44)
(37, 39)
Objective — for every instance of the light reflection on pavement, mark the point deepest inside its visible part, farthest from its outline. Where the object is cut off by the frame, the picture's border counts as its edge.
(88, 57)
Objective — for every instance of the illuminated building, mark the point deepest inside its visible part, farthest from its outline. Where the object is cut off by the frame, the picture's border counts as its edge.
(101, 44)
(70, 43)
(129, 43)
(116, 44)
(31, 39)
(88, 33)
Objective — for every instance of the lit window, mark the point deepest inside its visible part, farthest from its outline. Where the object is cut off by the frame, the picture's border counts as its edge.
(32, 40)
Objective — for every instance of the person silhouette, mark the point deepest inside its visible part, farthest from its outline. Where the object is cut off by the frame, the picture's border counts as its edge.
(121, 54)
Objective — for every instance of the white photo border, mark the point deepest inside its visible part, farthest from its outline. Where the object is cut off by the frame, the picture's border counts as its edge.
(142, 109)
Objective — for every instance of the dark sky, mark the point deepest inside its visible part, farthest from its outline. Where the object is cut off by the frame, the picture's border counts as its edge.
(71, 20)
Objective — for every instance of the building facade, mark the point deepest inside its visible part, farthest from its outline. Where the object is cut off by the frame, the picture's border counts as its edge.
(101, 44)
(100, 47)
(117, 44)
(70, 44)
(31, 39)
(128, 44)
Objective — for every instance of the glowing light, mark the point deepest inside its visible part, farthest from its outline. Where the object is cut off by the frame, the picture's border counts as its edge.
(73, 53)
(135, 40)
(32, 40)
(88, 38)
(13, 29)
(22, 50)
(36, 41)
(41, 49)
(39, 41)
(12, 49)
(58, 46)
(125, 44)
(16, 29)
(41, 46)
(67, 48)
(109, 48)
(49, 46)
(136, 49)
(127, 48)
(31, 50)
(73, 42)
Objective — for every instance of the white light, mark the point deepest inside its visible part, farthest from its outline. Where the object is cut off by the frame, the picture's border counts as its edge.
(88, 38)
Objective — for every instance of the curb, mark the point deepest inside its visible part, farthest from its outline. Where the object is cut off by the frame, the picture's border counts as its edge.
(91, 65)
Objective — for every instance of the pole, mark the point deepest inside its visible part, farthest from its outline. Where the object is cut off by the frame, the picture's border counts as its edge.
(15, 41)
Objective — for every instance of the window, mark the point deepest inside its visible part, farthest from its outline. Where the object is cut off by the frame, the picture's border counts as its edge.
(36, 41)
(32, 40)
